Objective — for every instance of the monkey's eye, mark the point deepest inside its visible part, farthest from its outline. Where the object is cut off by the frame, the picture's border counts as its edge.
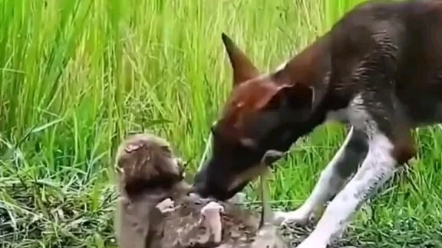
(213, 128)
(166, 149)
(185, 164)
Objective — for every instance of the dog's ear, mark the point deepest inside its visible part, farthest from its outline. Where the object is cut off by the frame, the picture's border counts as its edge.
(298, 76)
(242, 67)
(294, 96)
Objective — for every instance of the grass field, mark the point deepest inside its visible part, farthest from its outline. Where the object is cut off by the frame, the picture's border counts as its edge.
(76, 76)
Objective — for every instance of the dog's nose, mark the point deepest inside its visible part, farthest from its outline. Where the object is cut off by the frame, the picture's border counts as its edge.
(200, 176)
(200, 189)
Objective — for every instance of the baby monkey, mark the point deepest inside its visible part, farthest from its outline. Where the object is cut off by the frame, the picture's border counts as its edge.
(154, 208)
(147, 174)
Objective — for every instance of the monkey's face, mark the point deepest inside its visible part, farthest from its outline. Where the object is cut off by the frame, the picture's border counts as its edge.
(148, 161)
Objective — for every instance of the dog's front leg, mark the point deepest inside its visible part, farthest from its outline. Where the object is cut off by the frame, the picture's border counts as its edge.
(385, 152)
(341, 167)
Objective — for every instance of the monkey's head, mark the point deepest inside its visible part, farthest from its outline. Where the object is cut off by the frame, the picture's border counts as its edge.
(146, 161)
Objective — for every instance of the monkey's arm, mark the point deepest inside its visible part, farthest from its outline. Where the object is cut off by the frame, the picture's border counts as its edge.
(130, 232)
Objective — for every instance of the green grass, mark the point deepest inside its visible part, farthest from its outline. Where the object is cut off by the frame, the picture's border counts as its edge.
(77, 76)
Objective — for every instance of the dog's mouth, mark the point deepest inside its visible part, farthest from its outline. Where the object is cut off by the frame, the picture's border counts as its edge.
(242, 180)
(230, 194)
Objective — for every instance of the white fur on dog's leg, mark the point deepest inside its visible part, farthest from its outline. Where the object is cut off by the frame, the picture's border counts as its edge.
(328, 184)
(166, 206)
(376, 169)
(299, 216)
(212, 219)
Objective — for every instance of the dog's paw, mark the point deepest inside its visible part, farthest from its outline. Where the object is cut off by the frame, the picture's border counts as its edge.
(312, 243)
(299, 217)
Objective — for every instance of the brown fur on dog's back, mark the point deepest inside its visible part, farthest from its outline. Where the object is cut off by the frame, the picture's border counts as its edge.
(148, 173)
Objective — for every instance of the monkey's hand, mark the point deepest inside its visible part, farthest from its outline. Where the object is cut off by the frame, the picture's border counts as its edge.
(211, 219)
(166, 206)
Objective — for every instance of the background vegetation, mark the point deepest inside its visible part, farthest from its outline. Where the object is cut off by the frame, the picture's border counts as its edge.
(77, 76)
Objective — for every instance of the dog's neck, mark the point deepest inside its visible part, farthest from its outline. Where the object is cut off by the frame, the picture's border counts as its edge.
(313, 66)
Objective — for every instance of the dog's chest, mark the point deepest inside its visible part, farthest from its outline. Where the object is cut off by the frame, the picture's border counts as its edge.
(355, 113)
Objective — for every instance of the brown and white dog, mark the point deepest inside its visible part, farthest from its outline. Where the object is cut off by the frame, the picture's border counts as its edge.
(378, 69)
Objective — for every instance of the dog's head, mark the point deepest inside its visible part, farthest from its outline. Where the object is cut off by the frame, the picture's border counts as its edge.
(147, 161)
(262, 113)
